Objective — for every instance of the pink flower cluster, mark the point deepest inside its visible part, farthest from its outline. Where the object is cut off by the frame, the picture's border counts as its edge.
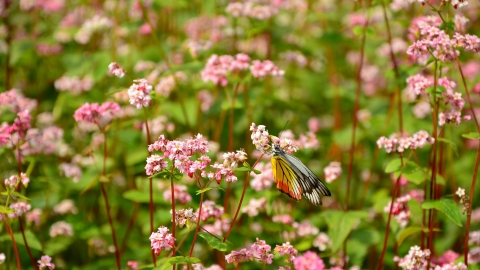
(305, 228)
(139, 93)
(14, 180)
(179, 152)
(185, 217)
(61, 228)
(19, 209)
(332, 171)
(263, 180)
(415, 259)
(399, 144)
(400, 210)
(20, 126)
(100, 115)
(308, 260)
(455, 3)
(46, 262)
(71, 170)
(290, 144)
(180, 192)
(116, 70)
(74, 85)
(264, 142)
(227, 168)
(248, 9)
(259, 250)
(210, 210)
(438, 43)
(16, 102)
(287, 249)
(239, 256)
(322, 241)
(161, 240)
(218, 67)
(255, 206)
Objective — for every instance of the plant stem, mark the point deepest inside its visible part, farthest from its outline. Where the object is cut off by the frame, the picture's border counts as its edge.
(105, 198)
(9, 230)
(32, 260)
(245, 185)
(198, 224)
(173, 208)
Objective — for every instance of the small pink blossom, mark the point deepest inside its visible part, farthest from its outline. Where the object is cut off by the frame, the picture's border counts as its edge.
(139, 93)
(133, 265)
(309, 260)
(287, 249)
(266, 68)
(46, 262)
(19, 209)
(34, 216)
(61, 228)
(185, 217)
(332, 171)
(227, 168)
(415, 259)
(161, 240)
(400, 210)
(116, 70)
(261, 251)
(255, 206)
(71, 170)
(264, 179)
(210, 210)
(180, 192)
(74, 85)
(236, 257)
(100, 115)
(322, 241)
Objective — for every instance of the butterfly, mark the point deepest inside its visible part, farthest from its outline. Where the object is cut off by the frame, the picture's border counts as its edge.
(295, 179)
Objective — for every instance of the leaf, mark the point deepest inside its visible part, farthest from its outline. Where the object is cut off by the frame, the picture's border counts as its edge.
(472, 135)
(340, 224)
(214, 242)
(57, 245)
(203, 190)
(451, 143)
(162, 174)
(446, 206)
(243, 169)
(257, 171)
(140, 197)
(407, 232)
(104, 179)
(180, 260)
(90, 185)
(14, 193)
(5, 210)
(394, 165)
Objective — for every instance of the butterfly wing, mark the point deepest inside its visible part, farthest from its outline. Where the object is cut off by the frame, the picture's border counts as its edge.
(310, 185)
(285, 177)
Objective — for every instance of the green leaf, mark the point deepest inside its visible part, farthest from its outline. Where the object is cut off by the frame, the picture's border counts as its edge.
(472, 135)
(140, 197)
(5, 210)
(243, 169)
(304, 245)
(57, 245)
(90, 185)
(394, 165)
(451, 143)
(340, 224)
(203, 190)
(14, 193)
(213, 241)
(446, 206)
(256, 171)
(180, 260)
(407, 232)
(163, 174)
(32, 240)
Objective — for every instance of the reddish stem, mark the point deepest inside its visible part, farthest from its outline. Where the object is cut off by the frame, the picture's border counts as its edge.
(173, 209)
(105, 198)
(469, 210)
(9, 230)
(245, 185)
(198, 224)
(32, 260)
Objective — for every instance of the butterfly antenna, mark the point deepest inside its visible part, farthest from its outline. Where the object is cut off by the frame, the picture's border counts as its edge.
(280, 135)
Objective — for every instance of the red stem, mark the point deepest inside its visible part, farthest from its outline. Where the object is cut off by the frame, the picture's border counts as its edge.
(173, 209)
(198, 224)
(469, 210)
(9, 230)
(34, 263)
(105, 198)
(245, 185)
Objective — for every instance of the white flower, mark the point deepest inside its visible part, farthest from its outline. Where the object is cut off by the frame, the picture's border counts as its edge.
(460, 192)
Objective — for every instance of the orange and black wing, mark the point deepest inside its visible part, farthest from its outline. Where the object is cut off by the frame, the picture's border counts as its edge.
(285, 177)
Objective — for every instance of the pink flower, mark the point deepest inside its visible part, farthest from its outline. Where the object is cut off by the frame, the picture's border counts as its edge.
(332, 171)
(133, 265)
(116, 70)
(206, 100)
(19, 209)
(415, 259)
(287, 249)
(263, 180)
(61, 228)
(261, 251)
(46, 262)
(185, 217)
(180, 192)
(100, 115)
(210, 210)
(309, 260)
(305, 228)
(227, 168)
(285, 219)
(239, 256)
(74, 85)
(322, 241)
(255, 206)
(314, 124)
(261, 69)
(71, 170)
(161, 240)
(155, 164)
(139, 93)
(400, 210)
(34, 216)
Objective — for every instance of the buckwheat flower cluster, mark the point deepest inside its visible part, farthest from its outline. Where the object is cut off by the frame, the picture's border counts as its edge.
(308, 260)
(447, 262)
(263, 180)
(46, 262)
(295, 57)
(464, 200)
(17, 131)
(474, 255)
(261, 251)
(116, 70)
(180, 152)
(139, 93)
(455, 3)
(415, 259)
(100, 115)
(287, 249)
(64, 207)
(181, 194)
(262, 69)
(71, 170)
(161, 240)
(284, 219)
(332, 171)
(322, 241)
(252, 9)
(400, 210)
(227, 168)
(239, 256)
(155, 164)
(185, 217)
(91, 26)
(133, 265)
(14, 180)
(61, 228)
(289, 144)
(74, 85)
(305, 228)
(19, 209)
(255, 206)
(218, 67)
(400, 144)
(210, 210)
(474, 238)
(261, 139)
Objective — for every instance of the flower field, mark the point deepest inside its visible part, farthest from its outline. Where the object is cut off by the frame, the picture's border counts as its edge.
(250, 134)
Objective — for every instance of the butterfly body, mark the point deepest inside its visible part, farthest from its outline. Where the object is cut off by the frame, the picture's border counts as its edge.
(295, 179)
